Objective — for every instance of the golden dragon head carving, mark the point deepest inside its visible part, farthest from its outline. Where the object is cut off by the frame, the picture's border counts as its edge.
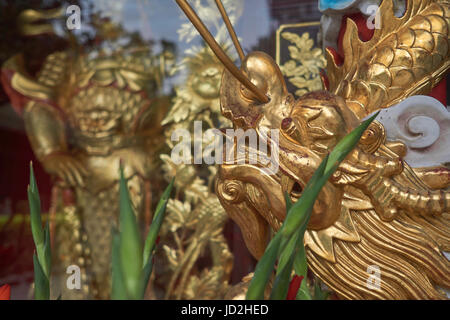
(376, 209)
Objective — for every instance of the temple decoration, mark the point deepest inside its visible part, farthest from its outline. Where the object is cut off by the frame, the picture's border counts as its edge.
(377, 209)
(195, 219)
(306, 61)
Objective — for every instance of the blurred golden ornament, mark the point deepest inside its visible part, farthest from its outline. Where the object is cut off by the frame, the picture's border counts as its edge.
(84, 114)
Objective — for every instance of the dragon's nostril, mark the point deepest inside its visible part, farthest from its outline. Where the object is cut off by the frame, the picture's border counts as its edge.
(296, 190)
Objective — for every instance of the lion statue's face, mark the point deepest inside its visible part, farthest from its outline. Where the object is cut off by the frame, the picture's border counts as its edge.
(206, 83)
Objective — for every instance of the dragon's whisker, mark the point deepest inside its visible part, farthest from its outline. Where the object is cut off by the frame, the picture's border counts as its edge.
(219, 52)
(230, 29)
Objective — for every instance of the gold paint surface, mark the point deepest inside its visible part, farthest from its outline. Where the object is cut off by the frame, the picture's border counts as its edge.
(375, 210)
